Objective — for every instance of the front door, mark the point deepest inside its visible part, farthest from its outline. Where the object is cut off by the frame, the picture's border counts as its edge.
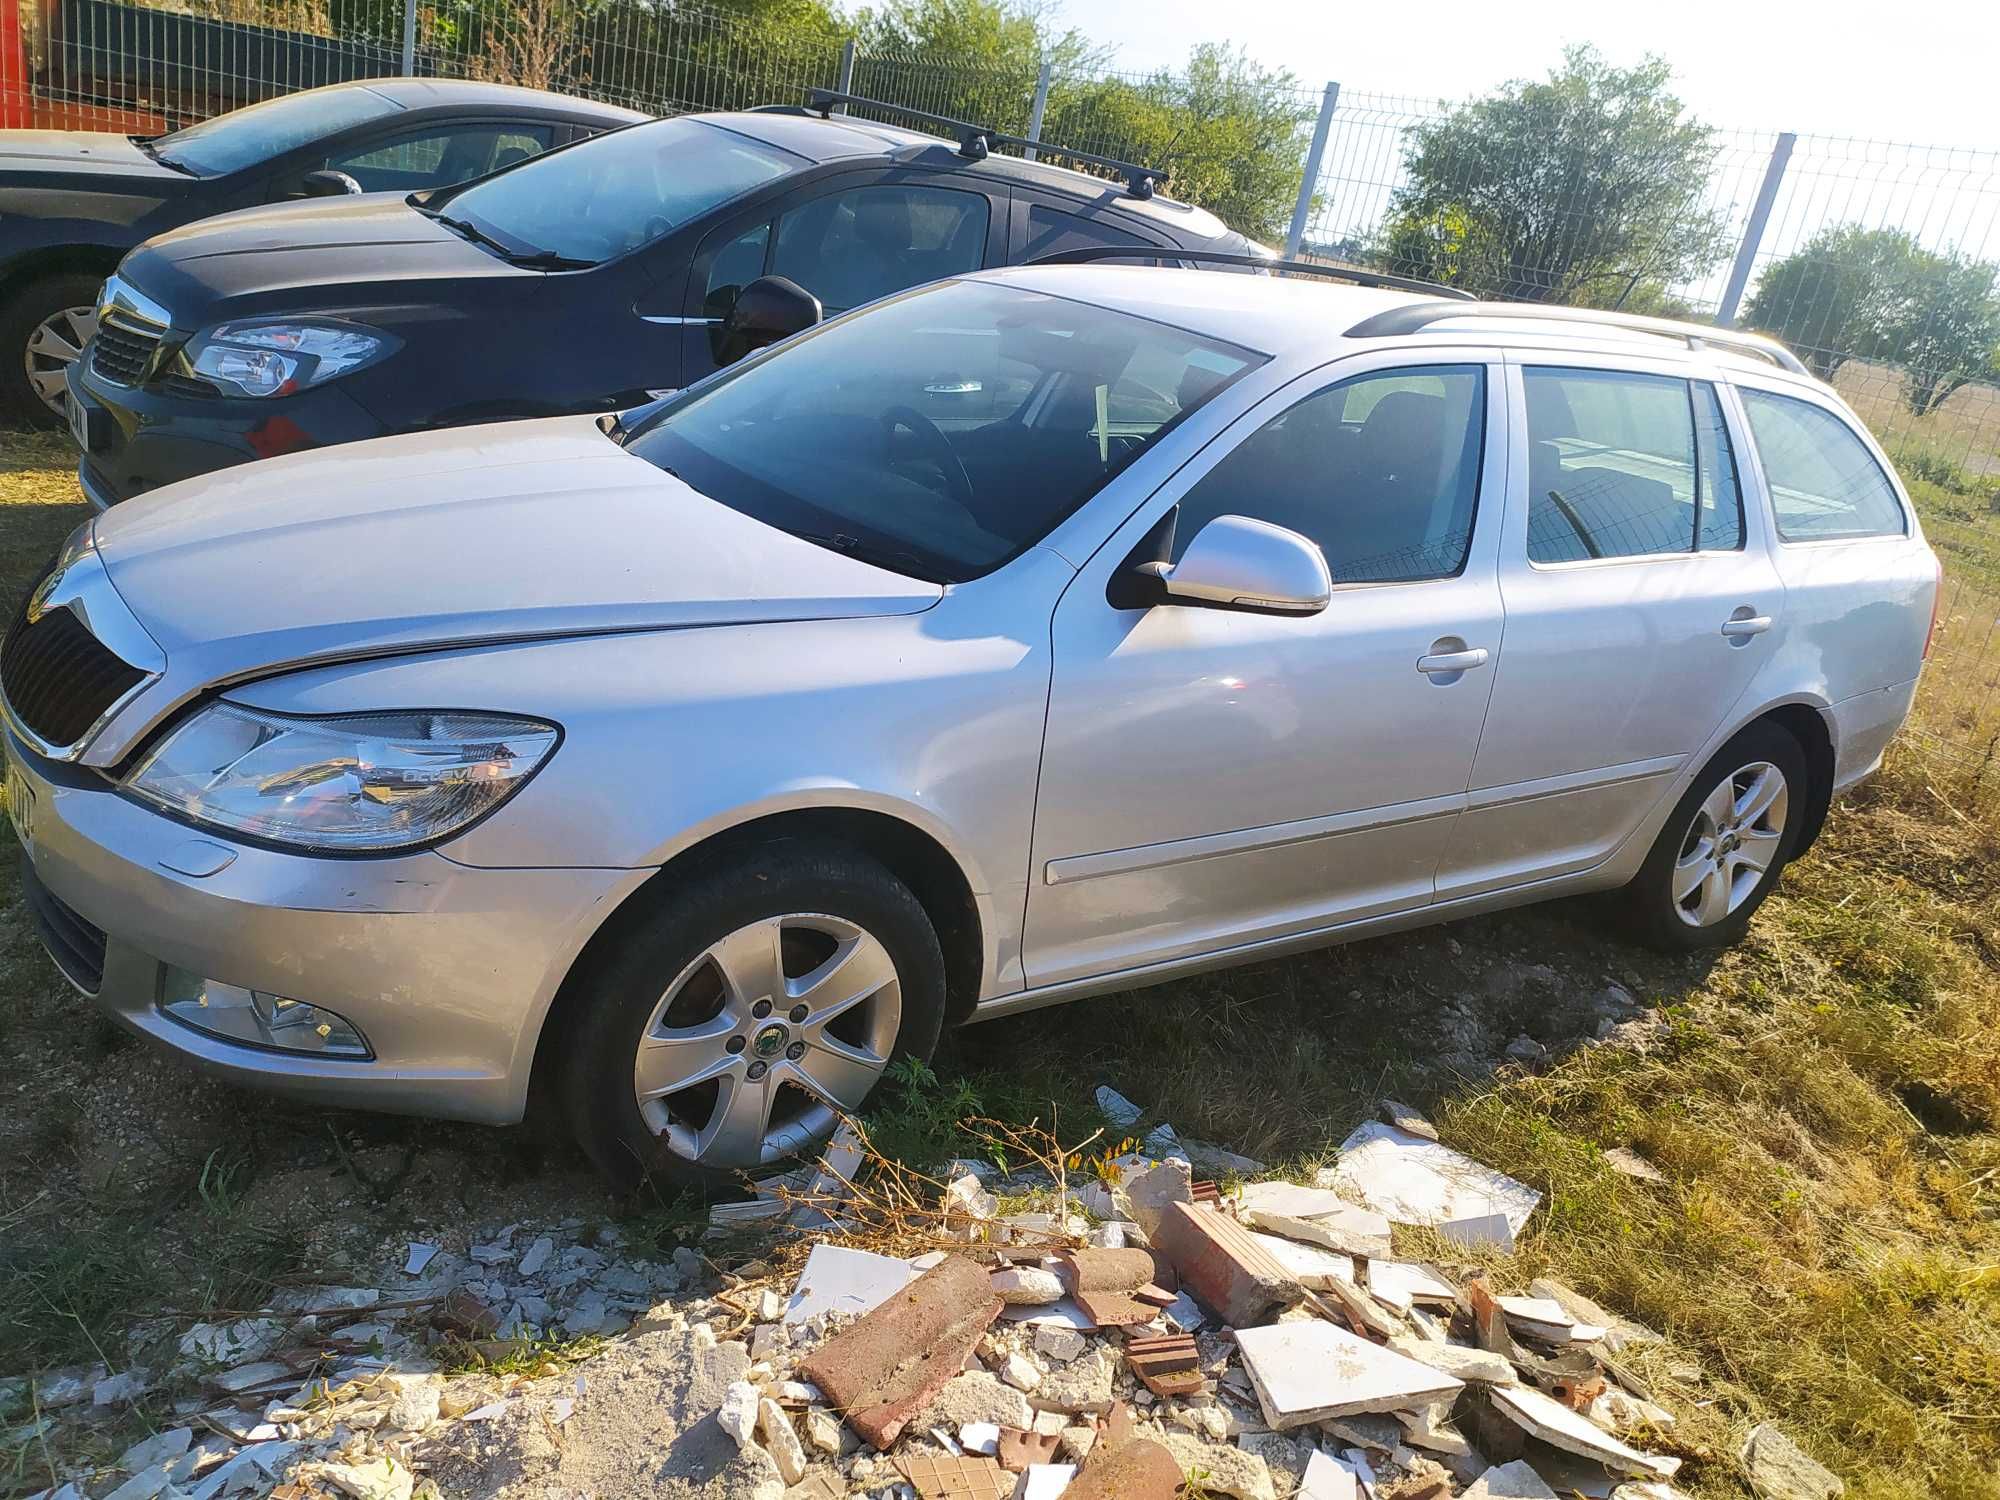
(847, 241)
(1214, 777)
(1641, 600)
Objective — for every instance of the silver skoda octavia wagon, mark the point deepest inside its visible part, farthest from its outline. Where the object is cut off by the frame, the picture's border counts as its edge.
(1036, 634)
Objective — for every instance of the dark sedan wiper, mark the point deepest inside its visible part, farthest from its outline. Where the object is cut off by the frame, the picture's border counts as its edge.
(145, 144)
(533, 260)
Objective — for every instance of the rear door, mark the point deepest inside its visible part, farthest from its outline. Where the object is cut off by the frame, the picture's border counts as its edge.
(1047, 223)
(1640, 597)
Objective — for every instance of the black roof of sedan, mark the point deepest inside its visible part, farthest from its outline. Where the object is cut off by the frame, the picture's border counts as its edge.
(435, 93)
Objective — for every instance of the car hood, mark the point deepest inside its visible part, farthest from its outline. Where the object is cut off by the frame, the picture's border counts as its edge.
(516, 531)
(337, 250)
(32, 155)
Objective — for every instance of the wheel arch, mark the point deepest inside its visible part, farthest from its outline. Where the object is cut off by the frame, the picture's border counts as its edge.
(1807, 724)
(56, 260)
(914, 855)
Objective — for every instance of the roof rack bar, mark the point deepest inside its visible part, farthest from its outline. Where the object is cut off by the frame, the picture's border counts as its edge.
(1085, 254)
(1420, 315)
(976, 141)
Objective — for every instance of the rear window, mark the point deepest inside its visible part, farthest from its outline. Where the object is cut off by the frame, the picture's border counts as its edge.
(1825, 485)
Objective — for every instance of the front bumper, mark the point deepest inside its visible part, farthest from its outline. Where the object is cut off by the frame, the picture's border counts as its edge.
(447, 970)
(149, 436)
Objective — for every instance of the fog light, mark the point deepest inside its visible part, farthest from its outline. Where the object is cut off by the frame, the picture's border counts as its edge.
(258, 1019)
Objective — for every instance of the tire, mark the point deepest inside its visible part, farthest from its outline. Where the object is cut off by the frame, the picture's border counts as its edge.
(1730, 816)
(22, 320)
(694, 973)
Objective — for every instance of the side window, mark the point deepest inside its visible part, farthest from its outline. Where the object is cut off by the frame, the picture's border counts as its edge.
(1051, 230)
(1824, 483)
(439, 158)
(1622, 464)
(736, 265)
(1382, 471)
(850, 248)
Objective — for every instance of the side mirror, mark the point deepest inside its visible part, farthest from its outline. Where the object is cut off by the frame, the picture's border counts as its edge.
(1237, 563)
(767, 310)
(327, 183)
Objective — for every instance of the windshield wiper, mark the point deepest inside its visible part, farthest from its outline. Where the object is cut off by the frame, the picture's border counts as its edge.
(533, 260)
(145, 144)
(860, 551)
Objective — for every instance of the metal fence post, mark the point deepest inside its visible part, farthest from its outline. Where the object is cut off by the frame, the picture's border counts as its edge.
(409, 38)
(1753, 232)
(1295, 236)
(1039, 109)
(843, 82)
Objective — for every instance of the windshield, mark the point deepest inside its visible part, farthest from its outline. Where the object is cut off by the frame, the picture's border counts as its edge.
(619, 190)
(943, 432)
(244, 137)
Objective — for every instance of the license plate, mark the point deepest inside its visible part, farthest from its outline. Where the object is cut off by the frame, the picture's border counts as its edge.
(85, 422)
(20, 806)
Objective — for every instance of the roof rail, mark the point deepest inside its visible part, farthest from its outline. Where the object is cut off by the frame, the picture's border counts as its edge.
(1419, 316)
(975, 142)
(1085, 254)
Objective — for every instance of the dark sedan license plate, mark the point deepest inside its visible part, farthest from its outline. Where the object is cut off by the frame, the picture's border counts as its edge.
(86, 424)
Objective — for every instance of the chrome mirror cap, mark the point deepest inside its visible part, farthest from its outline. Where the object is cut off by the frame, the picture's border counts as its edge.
(1237, 563)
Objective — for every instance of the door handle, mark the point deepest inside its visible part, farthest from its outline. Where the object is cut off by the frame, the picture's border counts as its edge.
(1452, 661)
(1742, 629)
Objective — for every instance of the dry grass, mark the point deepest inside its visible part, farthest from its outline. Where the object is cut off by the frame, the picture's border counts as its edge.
(1825, 1102)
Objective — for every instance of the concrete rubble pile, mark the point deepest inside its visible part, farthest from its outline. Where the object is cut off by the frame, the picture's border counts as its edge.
(1138, 1336)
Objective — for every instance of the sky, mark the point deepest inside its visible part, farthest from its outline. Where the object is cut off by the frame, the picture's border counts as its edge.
(1925, 73)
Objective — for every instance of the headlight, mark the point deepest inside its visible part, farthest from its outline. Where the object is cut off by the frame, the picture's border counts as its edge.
(277, 359)
(358, 782)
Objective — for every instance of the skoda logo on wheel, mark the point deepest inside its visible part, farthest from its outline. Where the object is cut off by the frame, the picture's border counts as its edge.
(769, 1042)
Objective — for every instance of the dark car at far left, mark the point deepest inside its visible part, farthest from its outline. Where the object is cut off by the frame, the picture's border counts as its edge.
(73, 202)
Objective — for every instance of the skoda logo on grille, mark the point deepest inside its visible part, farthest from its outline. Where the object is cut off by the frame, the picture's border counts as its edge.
(769, 1042)
(38, 602)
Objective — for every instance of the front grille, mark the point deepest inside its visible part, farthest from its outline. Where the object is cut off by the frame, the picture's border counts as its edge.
(175, 384)
(58, 677)
(121, 351)
(73, 943)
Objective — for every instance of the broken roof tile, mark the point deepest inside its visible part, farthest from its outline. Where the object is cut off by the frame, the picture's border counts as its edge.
(883, 1369)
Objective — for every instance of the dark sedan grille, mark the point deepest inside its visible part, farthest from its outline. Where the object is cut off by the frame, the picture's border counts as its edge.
(76, 946)
(58, 677)
(121, 352)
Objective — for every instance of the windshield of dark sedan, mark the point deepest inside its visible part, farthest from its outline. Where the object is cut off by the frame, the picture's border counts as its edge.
(245, 137)
(944, 432)
(619, 190)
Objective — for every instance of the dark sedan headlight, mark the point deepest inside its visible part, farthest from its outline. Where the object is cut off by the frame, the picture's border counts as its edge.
(351, 783)
(280, 358)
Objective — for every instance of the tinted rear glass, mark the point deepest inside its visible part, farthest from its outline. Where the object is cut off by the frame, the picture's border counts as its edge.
(244, 137)
(944, 432)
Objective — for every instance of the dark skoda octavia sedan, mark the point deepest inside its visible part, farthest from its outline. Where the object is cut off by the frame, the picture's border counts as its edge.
(590, 279)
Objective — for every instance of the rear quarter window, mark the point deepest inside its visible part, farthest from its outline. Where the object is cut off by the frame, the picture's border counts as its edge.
(1824, 483)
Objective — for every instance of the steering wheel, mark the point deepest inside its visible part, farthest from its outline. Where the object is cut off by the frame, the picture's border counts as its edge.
(932, 437)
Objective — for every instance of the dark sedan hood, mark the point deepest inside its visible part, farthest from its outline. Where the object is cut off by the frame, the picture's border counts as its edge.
(321, 252)
(79, 158)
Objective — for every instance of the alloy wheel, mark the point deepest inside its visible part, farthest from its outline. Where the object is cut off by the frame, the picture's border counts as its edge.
(758, 1045)
(55, 345)
(1731, 844)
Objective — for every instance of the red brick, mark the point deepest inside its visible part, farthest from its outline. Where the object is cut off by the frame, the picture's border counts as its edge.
(1220, 1263)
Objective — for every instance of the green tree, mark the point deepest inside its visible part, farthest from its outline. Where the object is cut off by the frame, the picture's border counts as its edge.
(1585, 187)
(1856, 293)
